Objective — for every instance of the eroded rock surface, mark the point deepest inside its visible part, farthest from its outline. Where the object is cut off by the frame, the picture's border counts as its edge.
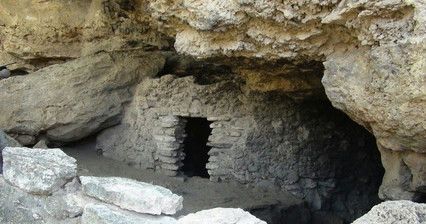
(384, 90)
(67, 102)
(398, 212)
(36, 34)
(282, 29)
(132, 195)
(373, 53)
(38, 171)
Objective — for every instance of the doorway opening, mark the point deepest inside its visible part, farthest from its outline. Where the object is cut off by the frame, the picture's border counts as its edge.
(195, 147)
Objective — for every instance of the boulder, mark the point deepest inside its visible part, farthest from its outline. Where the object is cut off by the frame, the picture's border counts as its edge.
(221, 216)
(18, 206)
(396, 212)
(132, 195)
(38, 171)
(102, 214)
(69, 101)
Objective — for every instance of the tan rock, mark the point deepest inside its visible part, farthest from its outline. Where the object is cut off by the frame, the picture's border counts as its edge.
(38, 33)
(384, 90)
(72, 100)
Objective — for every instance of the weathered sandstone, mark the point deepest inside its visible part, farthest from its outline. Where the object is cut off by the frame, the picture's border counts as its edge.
(69, 101)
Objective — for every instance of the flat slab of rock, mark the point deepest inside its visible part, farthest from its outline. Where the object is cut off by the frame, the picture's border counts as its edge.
(221, 216)
(132, 195)
(398, 212)
(97, 214)
(38, 171)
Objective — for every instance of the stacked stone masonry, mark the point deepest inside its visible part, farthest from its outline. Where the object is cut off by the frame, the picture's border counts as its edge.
(169, 136)
(257, 138)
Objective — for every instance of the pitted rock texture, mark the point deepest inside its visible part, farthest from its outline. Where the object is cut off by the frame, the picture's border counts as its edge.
(38, 171)
(132, 195)
(67, 102)
(282, 29)
(379, 86)
(96, 213)
(221, 216)
(384, 90)
(397, 212)
(373, 52)
(37, 33)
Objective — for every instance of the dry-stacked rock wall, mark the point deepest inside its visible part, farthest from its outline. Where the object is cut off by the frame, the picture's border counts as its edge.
(261, 138)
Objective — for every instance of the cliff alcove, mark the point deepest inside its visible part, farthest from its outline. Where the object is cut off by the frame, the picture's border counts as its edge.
(322, 100)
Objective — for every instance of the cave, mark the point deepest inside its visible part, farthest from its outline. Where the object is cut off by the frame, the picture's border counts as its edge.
(195, 147)
(295, 112)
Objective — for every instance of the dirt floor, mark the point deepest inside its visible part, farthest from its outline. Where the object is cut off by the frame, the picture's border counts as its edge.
(199, 193)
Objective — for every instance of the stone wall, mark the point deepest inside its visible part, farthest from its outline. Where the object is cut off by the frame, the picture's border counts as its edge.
(259, 138)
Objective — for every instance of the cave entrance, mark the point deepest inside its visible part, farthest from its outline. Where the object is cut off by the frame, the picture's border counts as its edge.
(195, 147)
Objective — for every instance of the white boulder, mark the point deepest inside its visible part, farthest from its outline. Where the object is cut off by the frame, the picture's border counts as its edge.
(221, 216)
(102, 214)
(38, 171)
(396, 212)
(132, 195)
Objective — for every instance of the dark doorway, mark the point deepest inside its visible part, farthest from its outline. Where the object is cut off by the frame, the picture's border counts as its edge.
(195, 147)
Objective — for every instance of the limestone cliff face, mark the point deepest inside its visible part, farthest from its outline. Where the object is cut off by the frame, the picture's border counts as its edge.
(283, 29)
(35, 32)
(373, 53)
